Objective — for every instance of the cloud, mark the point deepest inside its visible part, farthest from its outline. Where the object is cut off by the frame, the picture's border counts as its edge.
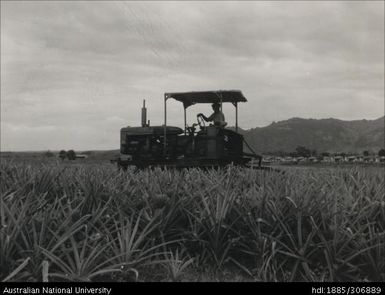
(83, 68)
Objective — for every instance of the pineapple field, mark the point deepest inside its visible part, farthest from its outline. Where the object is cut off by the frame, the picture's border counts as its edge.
(78, 222)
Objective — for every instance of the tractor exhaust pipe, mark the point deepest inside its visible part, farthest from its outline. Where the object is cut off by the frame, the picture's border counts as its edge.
(144, 114)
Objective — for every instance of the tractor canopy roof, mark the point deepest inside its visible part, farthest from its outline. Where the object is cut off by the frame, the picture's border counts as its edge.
(193, 97)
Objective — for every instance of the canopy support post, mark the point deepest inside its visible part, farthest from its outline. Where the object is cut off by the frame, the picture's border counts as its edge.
(220, 99)
(185, 125)
(165, 126)
(236, 117)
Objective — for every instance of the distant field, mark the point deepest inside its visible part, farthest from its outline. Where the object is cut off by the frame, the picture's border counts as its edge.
(85, 220)
(42, 157)
(102, 157)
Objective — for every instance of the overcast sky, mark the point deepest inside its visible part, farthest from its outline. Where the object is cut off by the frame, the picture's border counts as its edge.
(74, 73)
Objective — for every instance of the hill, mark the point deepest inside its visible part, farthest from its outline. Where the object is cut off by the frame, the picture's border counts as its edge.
(323, 135)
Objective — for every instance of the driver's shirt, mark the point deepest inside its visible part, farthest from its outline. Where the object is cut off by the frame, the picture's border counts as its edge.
(218, 118)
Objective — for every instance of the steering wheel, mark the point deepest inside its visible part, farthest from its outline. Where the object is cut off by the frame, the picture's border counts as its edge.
(191, 129)
(201, 122)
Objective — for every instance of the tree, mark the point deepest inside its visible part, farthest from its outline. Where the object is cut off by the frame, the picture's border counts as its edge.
(365, 153)
(48, 154)
(302, 151)
(71, 155)
(62, 154)
(381, 153)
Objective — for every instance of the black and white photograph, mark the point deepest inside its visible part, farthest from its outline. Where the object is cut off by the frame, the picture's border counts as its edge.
(192, 141)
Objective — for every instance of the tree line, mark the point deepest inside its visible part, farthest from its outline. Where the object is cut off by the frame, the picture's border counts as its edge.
(302, 151)
(70, 155)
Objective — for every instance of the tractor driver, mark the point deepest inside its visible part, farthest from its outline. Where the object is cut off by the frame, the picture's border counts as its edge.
(218, 118)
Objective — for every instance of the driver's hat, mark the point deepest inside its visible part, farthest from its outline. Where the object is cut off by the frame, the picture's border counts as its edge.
(216, 104)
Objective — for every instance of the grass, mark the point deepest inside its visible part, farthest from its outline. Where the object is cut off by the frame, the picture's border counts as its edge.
(63, 222)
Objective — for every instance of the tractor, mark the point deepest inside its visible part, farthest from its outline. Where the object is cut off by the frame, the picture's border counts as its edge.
(199, 145)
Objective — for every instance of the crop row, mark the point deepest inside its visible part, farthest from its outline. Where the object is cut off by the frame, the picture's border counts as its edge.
(95, 223)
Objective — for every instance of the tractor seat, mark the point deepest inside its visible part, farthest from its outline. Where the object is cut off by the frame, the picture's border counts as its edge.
(219, 124)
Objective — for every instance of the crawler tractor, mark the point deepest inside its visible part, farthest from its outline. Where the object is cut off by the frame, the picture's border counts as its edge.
(197, 145)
